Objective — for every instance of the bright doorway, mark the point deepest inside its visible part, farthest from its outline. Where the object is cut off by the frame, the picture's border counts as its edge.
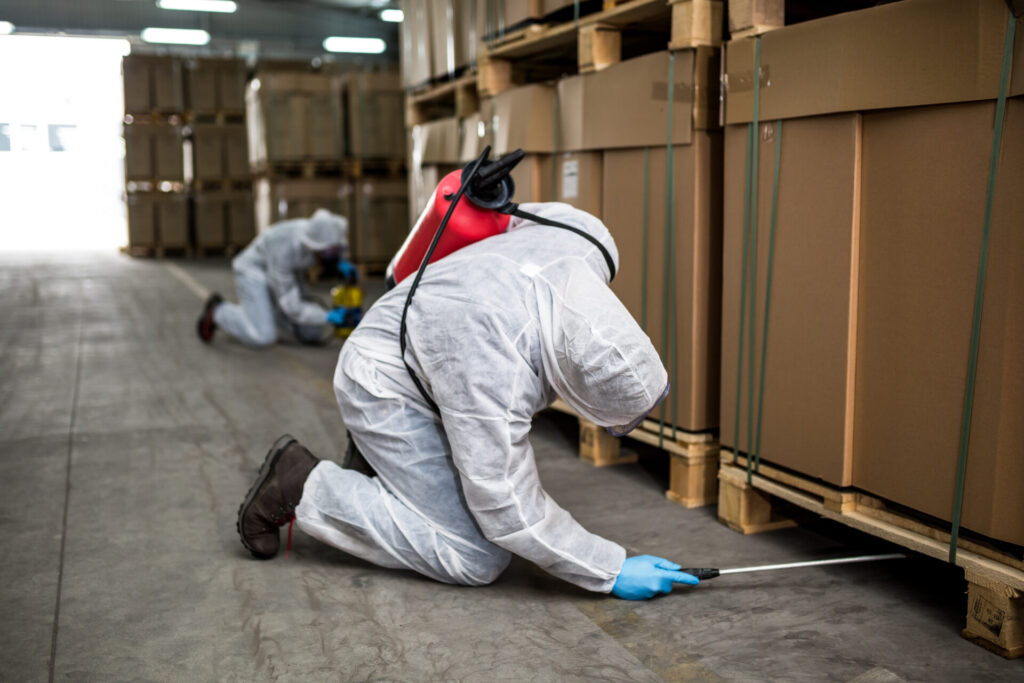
(61, 151)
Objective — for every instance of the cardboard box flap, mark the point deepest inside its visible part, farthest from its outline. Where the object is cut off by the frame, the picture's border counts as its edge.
(524, 118)
(436, 142)
(910, 53)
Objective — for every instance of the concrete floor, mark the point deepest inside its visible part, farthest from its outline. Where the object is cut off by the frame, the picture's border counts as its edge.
(126, 447)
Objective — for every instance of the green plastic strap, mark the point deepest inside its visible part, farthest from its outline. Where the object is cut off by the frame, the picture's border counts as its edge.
(576, 13)
(646, 233)
(668, 296)
(749, 263)
(756, 455)
(556, 141)
(979, 289)
(755, 153)
(743, 300)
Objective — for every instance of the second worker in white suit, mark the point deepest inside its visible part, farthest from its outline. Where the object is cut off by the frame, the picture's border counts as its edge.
(496, 331)
(267, 278)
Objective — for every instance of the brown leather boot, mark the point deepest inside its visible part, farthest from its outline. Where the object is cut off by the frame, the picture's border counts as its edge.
(271, 501)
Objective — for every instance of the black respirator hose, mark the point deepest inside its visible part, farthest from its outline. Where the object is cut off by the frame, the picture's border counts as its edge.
(423, 266)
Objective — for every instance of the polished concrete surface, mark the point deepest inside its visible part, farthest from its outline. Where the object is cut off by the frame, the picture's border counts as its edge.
(126, 447)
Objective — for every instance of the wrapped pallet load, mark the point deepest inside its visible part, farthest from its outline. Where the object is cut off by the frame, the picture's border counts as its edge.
(851, 288)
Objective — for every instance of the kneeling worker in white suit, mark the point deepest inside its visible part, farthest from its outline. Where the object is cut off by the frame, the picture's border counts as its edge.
(267, 274)
(496, 330)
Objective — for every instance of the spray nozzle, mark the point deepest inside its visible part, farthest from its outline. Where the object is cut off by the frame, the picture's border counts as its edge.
(492, 186)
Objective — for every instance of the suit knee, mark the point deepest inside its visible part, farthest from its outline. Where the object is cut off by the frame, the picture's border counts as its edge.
(483, 570)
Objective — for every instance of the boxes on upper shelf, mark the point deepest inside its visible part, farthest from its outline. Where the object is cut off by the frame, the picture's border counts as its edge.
(294, 116)
(216, 86)
(152, 84)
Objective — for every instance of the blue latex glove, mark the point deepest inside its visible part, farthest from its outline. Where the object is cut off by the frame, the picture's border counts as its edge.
(645, 576)
(347, 269)
(337, 316)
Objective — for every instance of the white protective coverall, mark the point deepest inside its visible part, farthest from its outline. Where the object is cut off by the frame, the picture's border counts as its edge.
(267, 276)
(495, 331)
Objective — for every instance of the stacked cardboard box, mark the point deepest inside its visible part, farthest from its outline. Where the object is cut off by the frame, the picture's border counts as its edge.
(375, 111)
(216, 86)
(440, 37)
(379, 222)
(158, 220)
(152, 84)
(154, 152)
(224, 218)
(294, 116)
(881, 200)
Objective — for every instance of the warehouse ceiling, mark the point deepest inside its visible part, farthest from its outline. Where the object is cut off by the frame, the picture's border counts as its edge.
(269, 28)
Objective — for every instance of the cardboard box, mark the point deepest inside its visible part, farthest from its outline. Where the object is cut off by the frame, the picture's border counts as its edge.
(241, 226)
(417, 66)
(381, 221)
(141, 220)
(278, 200)
(697, 237)
(443, 28)
(294, 116)
(511, 13)
(210, 219)
(138, 152)
(524, 118)
(375, 116)
(436, 142)
(579, 180)
(154, 151)
(468, 37)
(207, 152)
(216, 85)
(806, 420)
(902, 54)
(172, 217)
(236, 152)
(586, 122)
(534, 179)
(919, 251)
(475, 135)
(152, 84)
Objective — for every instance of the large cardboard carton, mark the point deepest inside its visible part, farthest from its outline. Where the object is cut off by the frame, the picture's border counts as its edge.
(475, 135)
(417, 67)
(534, 179)
(294, 116)
(207, 152)
(759, 14)
(141, 220)
(172, 215)
(587, 122)
(929, 52)
(436, 142)
(241, 226)
(578, 177)
(919, 251)
(468, 37)
(641, 284)
(236, 152)
(210, 219)
(524, 118)
(154, 151)
(443, 29)
(807, 419)
(381, 219)
(216, 85)
(153, 84)
(375, 114)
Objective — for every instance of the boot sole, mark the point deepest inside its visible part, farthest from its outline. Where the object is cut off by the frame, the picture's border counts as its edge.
(273, 455)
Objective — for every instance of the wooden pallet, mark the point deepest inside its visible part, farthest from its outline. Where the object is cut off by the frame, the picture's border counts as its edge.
(139, 251)
(456, 97)
(693, 458)
(222, 185)
(155, 116)
(216, 117)
(155, 185)
(995, 576)
(595, 41)
(380, 168)
(300, 168)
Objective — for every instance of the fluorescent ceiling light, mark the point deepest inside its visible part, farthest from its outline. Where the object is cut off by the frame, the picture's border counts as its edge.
(176, 36)
(6, 28)
(395, 16)
(226, 6)
(368, 46)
